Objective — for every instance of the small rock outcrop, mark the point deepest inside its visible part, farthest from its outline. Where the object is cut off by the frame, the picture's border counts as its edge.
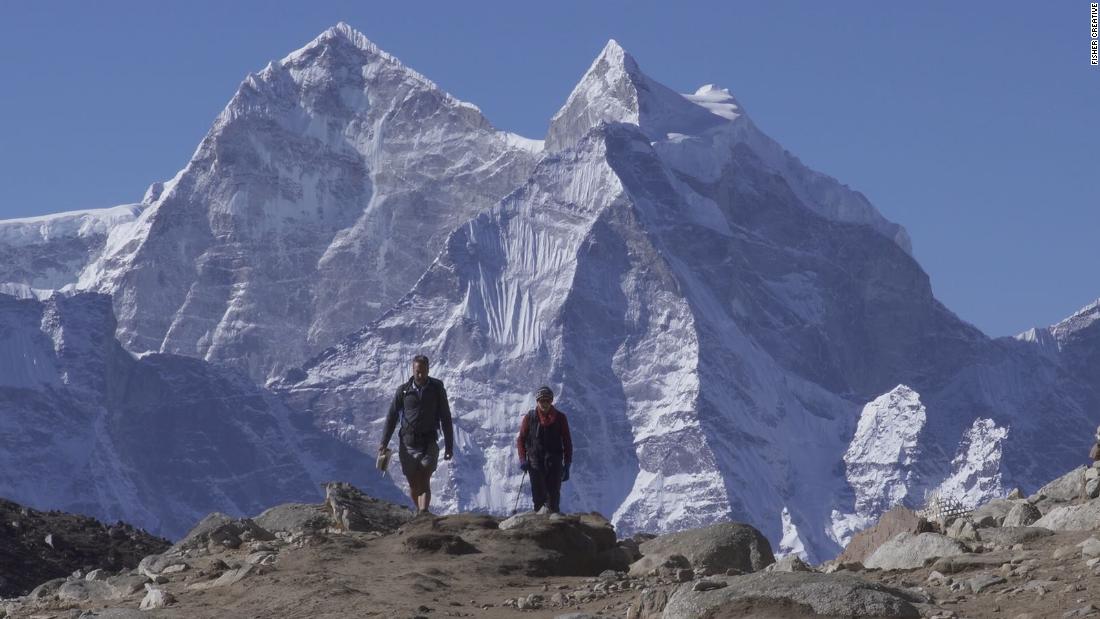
(1081, 517)
(800, 594)
(710, 550)
(1022, 514)
(352, 510)
(898, 520)
(907, 551)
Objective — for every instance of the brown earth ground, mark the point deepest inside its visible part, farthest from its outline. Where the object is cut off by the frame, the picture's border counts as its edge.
(351, 574)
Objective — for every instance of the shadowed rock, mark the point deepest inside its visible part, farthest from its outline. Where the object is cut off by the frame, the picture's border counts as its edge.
(829, 595)
(712, 549)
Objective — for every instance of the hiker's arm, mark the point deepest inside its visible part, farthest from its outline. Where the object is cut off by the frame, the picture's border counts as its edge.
(521, 440)
(566, 440)
(391, 420)
(445, 422)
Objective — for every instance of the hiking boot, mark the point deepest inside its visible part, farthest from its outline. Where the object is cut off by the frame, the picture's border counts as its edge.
(543, 511)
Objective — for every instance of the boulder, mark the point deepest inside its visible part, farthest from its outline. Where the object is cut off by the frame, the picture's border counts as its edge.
(992, 514)
(1062, 490)
(352, 510)
(963, 530)
(1081, 517)
(798, 594)
(712, 550)
(898, 520)
(1022, 514)
(81, 590)
(962, 563)
(573, 544)
(1007, 537)
(218, 530)
(1092, 481)
(157, 598)
(907, 551)
(790, 563)
(293, 517)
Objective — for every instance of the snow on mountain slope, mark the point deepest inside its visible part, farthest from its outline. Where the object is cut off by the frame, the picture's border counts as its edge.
(50, 251)
(320, 195)
(714, 330)
(159, 441)
(718, 320)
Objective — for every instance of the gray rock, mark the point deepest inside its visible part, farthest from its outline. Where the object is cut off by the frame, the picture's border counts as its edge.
(1084, 611)
(98, 574)
(961, 563)
(1081, 517)
(1090, 548)
(963, 530)
(46, 590)
(1092, 481)
(293, 517)
(983, 582)
(157, 598)
(1061, 490)
(1022, 514)
(81, 590)
(906, 551)
(126, 584)
(1006, 537)
(826, 594)
(790, 563)
(708, 585)
(217, 530)
(713, 549)
(993, 513)
(352, 510)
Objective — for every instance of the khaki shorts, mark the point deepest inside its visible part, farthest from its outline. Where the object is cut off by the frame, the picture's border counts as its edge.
(415, 461)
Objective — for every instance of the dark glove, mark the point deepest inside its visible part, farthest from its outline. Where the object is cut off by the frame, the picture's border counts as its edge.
(565, 472)
(523, 466)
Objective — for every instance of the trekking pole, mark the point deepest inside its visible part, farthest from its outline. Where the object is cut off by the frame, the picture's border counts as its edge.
(520, 493)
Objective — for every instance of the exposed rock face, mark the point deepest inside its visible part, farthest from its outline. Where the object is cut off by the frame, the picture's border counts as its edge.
(79, 543)
(833, 595)
(906, 551)
(1022, 514)
(897, 520)
(1082, 517)
(993, 513)
(713, 549)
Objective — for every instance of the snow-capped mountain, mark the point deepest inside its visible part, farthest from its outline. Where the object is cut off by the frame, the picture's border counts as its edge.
(41, 254)
(716, 316)
(159, 441)
(322, 192)
(732, 334)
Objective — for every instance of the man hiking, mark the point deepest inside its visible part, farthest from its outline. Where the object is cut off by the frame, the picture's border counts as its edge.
(545, 451)
(421, 405)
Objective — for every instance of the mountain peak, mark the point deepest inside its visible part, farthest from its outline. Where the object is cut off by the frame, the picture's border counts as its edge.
(614, 89)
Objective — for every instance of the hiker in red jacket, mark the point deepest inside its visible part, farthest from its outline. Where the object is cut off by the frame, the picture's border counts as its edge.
(545, 450)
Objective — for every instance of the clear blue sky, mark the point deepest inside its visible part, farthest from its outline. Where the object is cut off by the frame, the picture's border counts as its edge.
(973, 124)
